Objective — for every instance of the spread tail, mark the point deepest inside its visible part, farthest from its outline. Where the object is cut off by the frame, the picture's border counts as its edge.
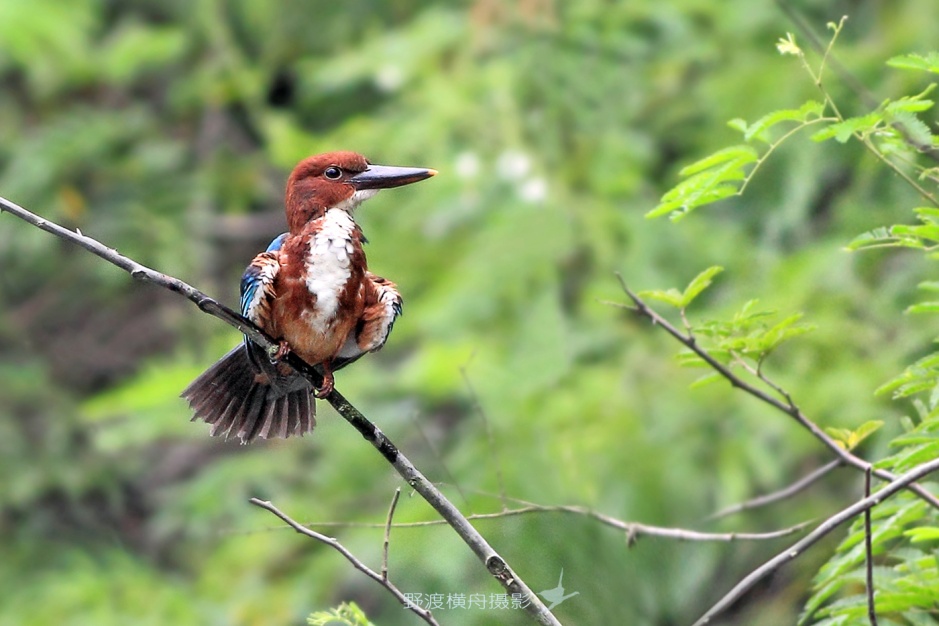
(240, 397)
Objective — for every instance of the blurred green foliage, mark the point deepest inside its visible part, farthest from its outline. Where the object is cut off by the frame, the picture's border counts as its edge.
(166, 129)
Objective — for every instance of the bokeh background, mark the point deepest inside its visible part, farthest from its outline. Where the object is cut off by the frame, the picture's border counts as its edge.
(166, 129)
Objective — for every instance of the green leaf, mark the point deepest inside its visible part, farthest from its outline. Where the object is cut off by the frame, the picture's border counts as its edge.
(914, 128)
(927, 213)
(840, 435)
(700, 282)
(923, 307)
(927, 63)
(680, 207)
(810, 110)
(928, 232)
(738, 123)
(878, 237)
(741, 154)
(707, 379)
(913, 456)
(911, 104)
(864, 431)
(672, 296)
(783, 331)
(843, 131)
(680, 300)
(347, 614)
(850, 439)
(922, 534)
(706, 181)
(920, 376)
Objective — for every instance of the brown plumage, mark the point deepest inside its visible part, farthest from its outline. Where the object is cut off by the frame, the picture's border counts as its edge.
(312, 291)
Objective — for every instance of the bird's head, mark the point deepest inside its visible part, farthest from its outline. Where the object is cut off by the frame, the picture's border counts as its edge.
(340, 180)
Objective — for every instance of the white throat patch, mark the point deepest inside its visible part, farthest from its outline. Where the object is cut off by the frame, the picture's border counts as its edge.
(357, 198)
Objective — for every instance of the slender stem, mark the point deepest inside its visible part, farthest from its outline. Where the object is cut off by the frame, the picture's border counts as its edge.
(387, 543)
(496, 565)
(633, 530)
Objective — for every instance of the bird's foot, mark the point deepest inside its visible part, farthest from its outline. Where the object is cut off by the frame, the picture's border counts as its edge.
(326, 388)
(329, 383)
(283, 349)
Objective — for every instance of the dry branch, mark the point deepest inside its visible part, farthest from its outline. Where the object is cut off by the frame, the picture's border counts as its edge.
(633, 530)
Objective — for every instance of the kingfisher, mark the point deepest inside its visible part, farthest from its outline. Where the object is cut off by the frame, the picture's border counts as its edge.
(311, 291)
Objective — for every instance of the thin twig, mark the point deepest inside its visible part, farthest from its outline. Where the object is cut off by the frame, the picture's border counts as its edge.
(633, 530)
(332, 542)
(796, 549)
(494, 563)
(787, 407)
(387, 542)
(776, 496)
(869, 553)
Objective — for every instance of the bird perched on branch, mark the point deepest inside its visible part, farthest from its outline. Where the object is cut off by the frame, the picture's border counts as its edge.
(311, 291)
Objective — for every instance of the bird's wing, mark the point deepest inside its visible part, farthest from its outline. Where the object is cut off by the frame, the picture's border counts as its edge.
(257, 295)
(382, 308)
(257, 284)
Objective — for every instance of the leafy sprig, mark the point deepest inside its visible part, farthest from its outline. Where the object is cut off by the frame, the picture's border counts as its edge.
(887, 564)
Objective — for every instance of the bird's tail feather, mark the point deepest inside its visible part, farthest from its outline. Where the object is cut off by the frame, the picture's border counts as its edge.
(238, 401)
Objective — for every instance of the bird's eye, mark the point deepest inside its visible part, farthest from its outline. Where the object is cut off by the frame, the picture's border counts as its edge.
(333, 173)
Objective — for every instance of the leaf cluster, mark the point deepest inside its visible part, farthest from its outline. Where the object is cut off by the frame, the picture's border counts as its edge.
(346, 614)
(747, 338)
(905, 531)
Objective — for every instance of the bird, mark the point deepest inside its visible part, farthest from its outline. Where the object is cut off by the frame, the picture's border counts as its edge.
(312, 292)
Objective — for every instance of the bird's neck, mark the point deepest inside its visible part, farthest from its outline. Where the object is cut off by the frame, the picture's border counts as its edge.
(334, 240)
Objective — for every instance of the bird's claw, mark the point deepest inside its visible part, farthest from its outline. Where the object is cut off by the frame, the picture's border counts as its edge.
(326, 388)
(283, 349)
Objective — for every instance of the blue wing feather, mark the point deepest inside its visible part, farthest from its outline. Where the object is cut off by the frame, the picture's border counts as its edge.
(277, 244)
(259, 274)
(249, 286)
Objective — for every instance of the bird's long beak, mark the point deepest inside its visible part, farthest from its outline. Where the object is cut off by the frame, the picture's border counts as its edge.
(385, 176)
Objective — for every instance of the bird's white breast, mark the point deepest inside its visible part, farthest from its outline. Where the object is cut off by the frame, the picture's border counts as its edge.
(328, 266)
